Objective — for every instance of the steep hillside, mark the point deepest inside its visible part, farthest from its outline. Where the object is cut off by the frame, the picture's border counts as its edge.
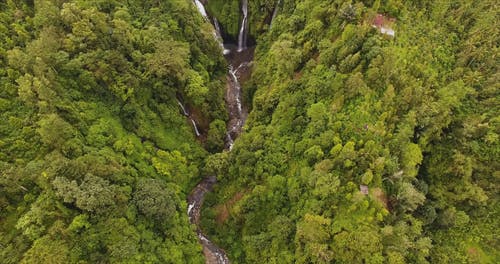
(330, 131)
(96, 157)
(366, 145)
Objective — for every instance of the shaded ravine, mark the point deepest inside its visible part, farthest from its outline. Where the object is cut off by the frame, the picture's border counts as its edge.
(239, 59)
(239, 68)
(213, 254)
(188, 115)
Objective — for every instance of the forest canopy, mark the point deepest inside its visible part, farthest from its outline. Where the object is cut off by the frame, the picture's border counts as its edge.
(365, 146)
(96, 158)
(372, 135)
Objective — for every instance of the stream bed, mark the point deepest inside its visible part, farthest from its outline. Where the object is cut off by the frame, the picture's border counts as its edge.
(239, 68)
(239, 59)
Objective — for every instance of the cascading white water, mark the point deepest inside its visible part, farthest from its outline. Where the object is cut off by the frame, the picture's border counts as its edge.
(196, 131)
(201, 8)
(237, 116)
(221, 257)
(230, 141)
(237, 85)
(218, 32)
(236, 120)
(242, 37)
(217, 28)
(195, 201)
(184, 111)
(275, 13)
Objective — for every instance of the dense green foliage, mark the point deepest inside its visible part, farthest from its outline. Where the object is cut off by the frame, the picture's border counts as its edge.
(337, 104)
(96, 159)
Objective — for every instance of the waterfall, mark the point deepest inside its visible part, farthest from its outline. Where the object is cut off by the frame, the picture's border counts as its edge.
(196, 131)
(190, 207)
(218, 33)
(275, 13)
(237, 85)
(201, 8)
(237, 115)
(230, 141)
(237, 118)
(242, 37)
(239, 67)
(217, 28)
(184, 111)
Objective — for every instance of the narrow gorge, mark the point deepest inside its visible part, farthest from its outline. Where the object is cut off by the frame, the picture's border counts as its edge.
(249, 131)
(239, 58)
